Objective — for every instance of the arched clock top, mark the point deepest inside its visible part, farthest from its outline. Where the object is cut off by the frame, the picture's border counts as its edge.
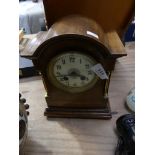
(72, 29)
(75, 24)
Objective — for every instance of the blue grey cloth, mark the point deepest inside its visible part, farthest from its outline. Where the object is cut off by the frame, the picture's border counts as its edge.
(30, 14)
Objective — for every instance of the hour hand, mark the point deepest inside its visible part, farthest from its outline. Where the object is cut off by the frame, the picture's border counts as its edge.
(82, 77)
(65, 77)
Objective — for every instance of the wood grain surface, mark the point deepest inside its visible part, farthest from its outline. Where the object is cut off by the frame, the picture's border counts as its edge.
(59, 136)
(111, 14)
(74, 26)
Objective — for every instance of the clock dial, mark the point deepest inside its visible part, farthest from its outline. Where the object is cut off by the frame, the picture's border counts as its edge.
(71, 71)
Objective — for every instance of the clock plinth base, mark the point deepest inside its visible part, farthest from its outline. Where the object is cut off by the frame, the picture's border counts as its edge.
(57, 112)
(79, 113)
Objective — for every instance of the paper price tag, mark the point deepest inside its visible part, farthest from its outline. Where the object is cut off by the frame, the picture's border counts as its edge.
(99, 71)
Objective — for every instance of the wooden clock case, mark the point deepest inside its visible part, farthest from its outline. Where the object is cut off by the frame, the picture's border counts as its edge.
(78, 30)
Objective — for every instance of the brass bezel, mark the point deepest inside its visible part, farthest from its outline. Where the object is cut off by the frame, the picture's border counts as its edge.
(57, 84)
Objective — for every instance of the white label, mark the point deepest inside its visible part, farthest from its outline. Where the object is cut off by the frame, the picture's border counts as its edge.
(99, 71)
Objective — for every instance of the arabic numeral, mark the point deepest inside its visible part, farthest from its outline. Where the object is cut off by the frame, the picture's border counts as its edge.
(58, 73)
(87, 66)
(58, 67)
(72, 59)
(63, 61)
(89, 72)
(74, 84)
(61, 79)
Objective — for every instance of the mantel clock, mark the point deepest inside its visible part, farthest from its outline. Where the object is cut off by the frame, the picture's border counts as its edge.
(75, 58)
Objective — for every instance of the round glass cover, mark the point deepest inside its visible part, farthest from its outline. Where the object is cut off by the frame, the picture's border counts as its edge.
(71, 72)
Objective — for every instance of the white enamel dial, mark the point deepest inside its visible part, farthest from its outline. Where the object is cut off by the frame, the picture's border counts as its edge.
(71, 72)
